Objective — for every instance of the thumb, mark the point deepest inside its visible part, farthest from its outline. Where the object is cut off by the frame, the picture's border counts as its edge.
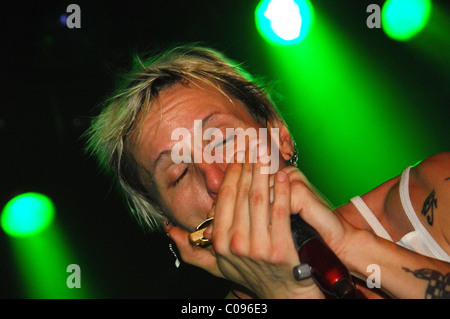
(313, 208)
(196, 256)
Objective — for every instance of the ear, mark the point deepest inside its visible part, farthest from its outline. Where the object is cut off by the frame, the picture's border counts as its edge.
(286, 144)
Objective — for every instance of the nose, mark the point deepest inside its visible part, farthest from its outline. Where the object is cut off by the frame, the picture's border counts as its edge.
(213, 175)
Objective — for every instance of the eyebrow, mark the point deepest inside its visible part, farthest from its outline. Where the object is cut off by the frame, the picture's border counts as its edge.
(167, 153)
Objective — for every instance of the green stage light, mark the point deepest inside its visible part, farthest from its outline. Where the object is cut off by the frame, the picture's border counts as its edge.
(403, 19)
(27, 214)
(343, 113)
(284, 22)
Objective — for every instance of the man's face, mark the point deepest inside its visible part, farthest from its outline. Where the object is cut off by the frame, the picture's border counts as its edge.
(187, 190)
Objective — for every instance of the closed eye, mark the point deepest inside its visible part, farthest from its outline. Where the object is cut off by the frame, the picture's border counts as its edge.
(224, 142)
(178, 180)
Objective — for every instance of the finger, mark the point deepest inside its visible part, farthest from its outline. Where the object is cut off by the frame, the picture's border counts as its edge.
(241, 222)
(193, 255)
(295, 174)
(314, 212)
(259, 202)
(225, 206)
(208, 230)
(281, 209)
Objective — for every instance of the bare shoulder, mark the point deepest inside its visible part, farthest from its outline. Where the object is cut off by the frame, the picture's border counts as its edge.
(433, 173)
(434, 168)
(432, 179)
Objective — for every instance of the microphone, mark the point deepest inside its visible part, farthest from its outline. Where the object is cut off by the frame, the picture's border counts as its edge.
(319, 261)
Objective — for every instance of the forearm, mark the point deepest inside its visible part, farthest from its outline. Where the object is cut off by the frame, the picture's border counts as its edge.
(402, 273)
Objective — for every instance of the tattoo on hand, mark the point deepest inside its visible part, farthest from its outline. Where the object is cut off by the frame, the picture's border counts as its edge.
(438, 286)
(428, 207)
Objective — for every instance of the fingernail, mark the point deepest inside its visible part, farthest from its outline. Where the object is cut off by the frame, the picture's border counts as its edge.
(281, 176)
(208, 231)
(262, 150)
(259, 153)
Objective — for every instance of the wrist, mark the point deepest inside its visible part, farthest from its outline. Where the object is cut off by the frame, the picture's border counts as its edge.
(311, 292)
(360, 253)
(304, 289)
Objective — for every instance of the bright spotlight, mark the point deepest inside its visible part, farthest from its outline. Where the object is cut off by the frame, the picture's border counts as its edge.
(27, 214)
(284, 22)
(403, 19)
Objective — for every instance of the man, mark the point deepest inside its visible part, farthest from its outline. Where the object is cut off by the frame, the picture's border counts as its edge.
(181, 182)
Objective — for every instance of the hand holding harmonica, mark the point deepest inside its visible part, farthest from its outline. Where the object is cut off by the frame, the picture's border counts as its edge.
(196, 238)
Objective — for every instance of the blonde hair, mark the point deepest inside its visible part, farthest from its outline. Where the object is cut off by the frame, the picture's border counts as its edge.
(108, 133)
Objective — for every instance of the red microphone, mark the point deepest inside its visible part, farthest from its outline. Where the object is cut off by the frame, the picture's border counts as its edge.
(319, 261)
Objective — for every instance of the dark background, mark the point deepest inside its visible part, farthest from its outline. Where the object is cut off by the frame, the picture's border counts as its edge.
(53, 79)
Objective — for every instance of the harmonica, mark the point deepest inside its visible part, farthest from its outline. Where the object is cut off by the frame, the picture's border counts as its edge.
(196, 238)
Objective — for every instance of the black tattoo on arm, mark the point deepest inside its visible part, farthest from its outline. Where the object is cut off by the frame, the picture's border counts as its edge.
(438, 284)
(447, 179)
(428, 207)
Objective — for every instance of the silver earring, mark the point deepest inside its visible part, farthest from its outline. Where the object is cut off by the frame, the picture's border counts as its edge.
(177, 261)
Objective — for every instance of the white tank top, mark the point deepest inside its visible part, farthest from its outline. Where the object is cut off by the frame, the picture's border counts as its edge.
(419, 240)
